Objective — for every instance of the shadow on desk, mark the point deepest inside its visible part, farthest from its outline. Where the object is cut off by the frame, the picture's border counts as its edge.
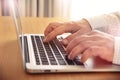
(10, 60)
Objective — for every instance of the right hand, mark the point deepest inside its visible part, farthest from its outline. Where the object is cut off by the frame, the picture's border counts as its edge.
(76, 28)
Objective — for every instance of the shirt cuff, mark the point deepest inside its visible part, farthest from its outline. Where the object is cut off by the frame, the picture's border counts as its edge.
(116, 57)
(97, 22)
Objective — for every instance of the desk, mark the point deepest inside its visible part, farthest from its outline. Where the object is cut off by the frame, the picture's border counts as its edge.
(11, 66)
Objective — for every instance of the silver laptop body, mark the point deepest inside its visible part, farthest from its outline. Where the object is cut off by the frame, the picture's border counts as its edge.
(39, 57)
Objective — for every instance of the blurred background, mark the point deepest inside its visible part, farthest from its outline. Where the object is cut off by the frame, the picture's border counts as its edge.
(74, 9)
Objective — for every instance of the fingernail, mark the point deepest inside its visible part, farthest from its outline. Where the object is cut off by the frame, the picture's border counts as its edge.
(65, 41)
(44, 40)
(69, 57)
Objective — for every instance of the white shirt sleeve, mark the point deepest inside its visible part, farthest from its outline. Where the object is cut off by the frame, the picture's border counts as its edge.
(116, 58)
(109, 23)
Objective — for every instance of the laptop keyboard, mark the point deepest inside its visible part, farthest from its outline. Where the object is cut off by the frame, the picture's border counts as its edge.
(51, 53)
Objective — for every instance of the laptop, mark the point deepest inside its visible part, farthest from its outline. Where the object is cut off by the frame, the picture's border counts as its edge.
(40, 57)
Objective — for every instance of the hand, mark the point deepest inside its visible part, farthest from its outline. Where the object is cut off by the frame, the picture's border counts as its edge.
(95, 43)
(76, 28)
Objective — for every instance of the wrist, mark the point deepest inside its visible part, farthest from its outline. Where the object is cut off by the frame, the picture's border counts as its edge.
(85, 22)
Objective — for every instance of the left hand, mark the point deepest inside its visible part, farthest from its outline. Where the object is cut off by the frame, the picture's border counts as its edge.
(95, 43)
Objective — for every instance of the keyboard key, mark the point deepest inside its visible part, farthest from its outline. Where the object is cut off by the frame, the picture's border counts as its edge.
(41, 51)
(61, 62)
(35, 51)
(70, 62)
(57, 54)
(26, 51)
(77, 61)
(51, 53)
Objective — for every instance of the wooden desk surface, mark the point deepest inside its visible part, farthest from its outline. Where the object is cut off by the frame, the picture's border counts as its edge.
(11, 66)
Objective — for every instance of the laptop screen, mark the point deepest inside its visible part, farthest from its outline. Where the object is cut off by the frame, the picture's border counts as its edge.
(16, 16)
(17, 20)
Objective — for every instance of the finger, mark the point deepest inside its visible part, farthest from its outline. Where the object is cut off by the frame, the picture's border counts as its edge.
(77, 41)
(51, 27)
(88, 53)
(72, 36)
(59, 30)
(69, 38)
(54, 33)
(83, 40)
(81, 47)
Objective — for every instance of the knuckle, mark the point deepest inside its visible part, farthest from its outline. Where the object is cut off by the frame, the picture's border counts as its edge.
(69, 39)
(54, 32)
(82, 44)
(76, 40)
(52, 23)
(84, 36)
(91, 50)
(70, 24)
(75, 50)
